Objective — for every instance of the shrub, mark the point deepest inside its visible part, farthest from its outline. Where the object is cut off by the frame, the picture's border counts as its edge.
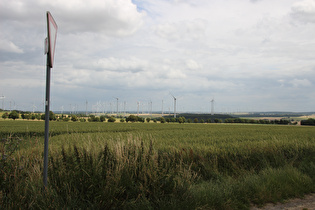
(181, 120)
(74, 118)
(102, 118)
(132, 118)
(112, 119)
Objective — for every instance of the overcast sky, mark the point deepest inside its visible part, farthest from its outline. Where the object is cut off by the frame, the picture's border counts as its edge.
(247, 55)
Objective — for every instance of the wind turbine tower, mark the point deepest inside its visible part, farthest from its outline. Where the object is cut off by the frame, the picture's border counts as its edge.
(86, 106)
(2, 98)
(162, 107)
(212, 107)
(117, 107)
(34, 108)
(174, 105)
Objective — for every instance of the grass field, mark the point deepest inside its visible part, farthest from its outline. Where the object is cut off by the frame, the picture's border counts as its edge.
(154, 165)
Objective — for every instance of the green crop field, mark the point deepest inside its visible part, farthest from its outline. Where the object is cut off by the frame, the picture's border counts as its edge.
(153, 165)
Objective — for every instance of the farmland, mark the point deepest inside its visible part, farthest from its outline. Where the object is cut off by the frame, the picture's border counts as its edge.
(154, 165)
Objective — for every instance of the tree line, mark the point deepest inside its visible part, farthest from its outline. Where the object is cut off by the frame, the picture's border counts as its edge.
(133, 118)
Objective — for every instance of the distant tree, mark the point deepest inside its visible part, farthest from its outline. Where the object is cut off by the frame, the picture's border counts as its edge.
(52, 116)
(229, 120)
(14, 115)
(140, 119)
(162, 120)
(122, 120)
(217, 120)
(309, 121)
(196, 120)
(181, 120)
(74, 118)
(168, 120)
(92, 118)
(23, 116)
(112, 119)
(148, 119)
(132, 118)
(38, 116)
(189, 120)
(102, 118)
(5, 115)
(66, 119)
(202, 121)
(154, 120)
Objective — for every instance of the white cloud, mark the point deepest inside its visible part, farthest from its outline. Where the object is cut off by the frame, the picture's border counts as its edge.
(192, 65)
(301, 83)
(8, 46)
(194, 29)
(110, 17)
(304, 11)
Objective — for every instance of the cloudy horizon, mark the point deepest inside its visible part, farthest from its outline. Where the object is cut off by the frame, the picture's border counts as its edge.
(247, 55)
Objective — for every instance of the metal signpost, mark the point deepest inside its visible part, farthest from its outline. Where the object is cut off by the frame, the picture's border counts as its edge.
(50, 43)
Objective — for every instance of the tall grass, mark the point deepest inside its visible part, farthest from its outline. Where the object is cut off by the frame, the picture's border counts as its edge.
(158, 167)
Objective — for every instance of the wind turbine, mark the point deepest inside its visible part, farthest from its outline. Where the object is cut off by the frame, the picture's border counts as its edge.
(162, 107)
(86, 106)
(124, 108)
(117, 106)
(34, 107)
(2, 97)
(174, 105)
(62, 108)
(150, 107)
(212, 107)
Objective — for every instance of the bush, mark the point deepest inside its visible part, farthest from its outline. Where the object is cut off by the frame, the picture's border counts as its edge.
(102, 118)
(66, 119)
(181, 120)
(132, 118)
(74, 118)
(112, 119)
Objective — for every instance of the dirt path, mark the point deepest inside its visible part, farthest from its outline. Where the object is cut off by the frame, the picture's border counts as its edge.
(308, 202)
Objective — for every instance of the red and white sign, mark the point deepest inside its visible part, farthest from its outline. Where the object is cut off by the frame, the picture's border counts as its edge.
(52, 36)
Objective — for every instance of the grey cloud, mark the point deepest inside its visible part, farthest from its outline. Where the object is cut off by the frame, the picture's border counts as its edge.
(304, 11)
